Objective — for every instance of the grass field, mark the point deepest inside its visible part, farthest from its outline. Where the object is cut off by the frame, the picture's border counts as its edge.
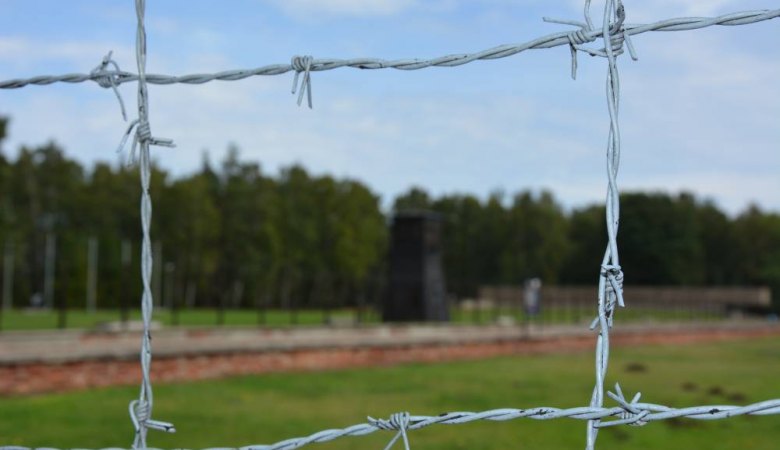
(264, 409)
(42, 319)
(48, 319)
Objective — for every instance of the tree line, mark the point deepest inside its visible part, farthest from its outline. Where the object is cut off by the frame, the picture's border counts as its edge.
(664, 239)
(233, 235)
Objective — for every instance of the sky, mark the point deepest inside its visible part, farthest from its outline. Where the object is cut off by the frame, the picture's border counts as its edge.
(700, 110)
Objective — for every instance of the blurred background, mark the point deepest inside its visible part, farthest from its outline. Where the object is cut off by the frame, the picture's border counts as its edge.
(420, 220)
(236, 246)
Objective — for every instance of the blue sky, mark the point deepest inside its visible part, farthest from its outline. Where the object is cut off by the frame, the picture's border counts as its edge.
(700, 109)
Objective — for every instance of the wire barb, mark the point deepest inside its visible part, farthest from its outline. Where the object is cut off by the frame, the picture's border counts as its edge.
(586, 34)
(631, 415)
(302, 64)
(139, 415)
(142, 136)
(398, 421)
(109, 79)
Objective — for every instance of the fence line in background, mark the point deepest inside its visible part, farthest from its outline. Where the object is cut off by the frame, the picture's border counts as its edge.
(642, 296)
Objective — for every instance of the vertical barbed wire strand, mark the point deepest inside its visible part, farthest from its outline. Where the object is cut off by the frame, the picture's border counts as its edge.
(145, 402)
(609, 290)
(141, 409)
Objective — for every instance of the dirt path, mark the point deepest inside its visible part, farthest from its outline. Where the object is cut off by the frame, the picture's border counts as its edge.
(46, 362)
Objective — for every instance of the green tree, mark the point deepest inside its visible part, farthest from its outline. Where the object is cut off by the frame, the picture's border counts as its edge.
(758, 235)
(587, 238)
(415, 199)
(659, 239)
(536, 240)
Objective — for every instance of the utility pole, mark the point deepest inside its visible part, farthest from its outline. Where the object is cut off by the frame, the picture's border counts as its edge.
(8, 275)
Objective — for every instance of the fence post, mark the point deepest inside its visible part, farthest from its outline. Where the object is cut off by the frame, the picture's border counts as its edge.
(221, 308)
(361, 300)
(8, 278)
(170, 301)
(62, 300)
(126, 258)
(92, 262)
(261, 300)
(157, 273)
(50, 256)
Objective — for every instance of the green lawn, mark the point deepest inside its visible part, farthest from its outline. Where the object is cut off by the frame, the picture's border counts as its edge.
(264, 409)
(48, 319)
(28, 319)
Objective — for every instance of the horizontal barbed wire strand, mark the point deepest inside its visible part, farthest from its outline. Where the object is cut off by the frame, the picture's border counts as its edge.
(317, 65)
(654, 412)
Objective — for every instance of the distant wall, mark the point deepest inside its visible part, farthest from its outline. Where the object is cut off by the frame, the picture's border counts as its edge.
(660, 297)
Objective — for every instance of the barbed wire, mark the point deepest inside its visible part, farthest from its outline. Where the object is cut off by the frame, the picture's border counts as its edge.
(141, 409)
(317, 65)
(614, 33)
(611, 276)
(627, 413)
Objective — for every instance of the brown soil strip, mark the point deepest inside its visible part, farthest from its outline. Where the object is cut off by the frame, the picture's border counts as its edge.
(33, 378)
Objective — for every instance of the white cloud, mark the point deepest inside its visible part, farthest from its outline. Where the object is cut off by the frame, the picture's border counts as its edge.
(655, 10)
(354, 8)
(22, 54)
(650, 9)
(699, 113)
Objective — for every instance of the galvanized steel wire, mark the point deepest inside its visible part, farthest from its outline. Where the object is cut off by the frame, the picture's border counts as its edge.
(642, 413)
(454, 60)
(141, 409)
(614, 33)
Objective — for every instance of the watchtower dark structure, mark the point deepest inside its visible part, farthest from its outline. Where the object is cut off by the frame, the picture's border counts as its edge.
(416, 290)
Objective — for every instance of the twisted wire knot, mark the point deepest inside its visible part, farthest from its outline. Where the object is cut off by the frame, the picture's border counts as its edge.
(614, 275)
(585, 34)
(143, 132)
(631, 415)
(613, 287)
(143, 135)
(302, 64)
(106, 78)
(140, 414)
(616, 42)
(613, 293)
(617, 33)
(102, 76)
(579, 37)
(398, 421)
